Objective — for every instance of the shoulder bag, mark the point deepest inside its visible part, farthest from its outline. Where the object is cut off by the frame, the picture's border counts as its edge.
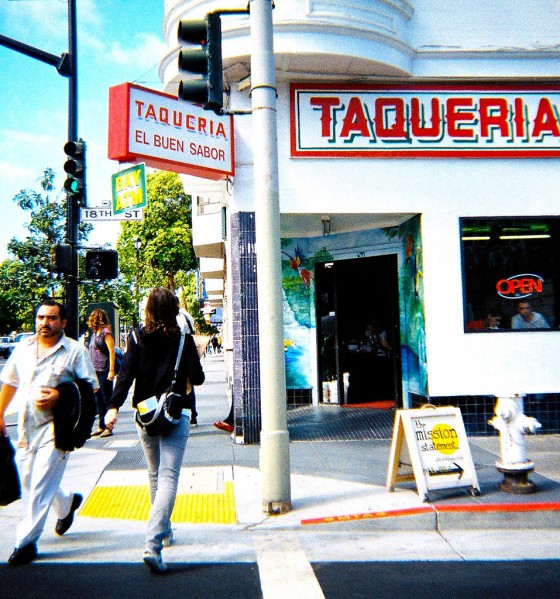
(159, 414)
(10, 487)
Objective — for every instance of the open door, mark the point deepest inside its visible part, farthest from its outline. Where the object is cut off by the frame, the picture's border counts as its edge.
(358, 331)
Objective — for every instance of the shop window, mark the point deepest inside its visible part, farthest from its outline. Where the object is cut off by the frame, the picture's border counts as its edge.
(510, 272)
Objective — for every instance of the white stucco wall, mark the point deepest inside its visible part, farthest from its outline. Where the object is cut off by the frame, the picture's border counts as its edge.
(463, 38)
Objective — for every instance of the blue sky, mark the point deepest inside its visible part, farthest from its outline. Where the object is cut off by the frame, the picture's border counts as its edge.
(118, 41)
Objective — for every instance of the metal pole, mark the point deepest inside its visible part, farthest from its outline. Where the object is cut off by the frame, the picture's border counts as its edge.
(275, 449)
(72, 208)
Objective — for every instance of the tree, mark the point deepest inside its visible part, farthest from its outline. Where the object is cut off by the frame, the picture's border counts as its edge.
(166, 255)
(29, 278)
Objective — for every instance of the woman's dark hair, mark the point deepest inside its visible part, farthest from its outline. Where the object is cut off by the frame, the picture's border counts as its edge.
(161, 311)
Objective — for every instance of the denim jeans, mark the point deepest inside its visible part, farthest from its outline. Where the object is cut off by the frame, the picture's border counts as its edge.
(103, 395)
(164, 455)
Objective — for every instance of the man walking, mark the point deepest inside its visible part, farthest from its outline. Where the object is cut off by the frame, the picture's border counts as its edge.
(37, 366)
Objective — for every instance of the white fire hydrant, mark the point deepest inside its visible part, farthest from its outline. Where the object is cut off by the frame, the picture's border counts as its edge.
(512, 424)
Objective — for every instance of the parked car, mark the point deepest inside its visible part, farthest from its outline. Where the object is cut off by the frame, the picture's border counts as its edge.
(18, 338)
(6, 346)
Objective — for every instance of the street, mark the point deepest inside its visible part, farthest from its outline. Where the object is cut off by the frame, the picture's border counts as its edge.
(277, 557)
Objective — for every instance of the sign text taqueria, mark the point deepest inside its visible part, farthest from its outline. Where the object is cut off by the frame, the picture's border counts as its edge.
(383, 121)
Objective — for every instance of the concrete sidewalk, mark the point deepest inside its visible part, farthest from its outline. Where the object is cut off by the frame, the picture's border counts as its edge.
(335, 487)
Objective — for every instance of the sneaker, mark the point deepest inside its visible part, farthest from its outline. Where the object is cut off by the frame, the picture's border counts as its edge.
(106, 433)
(168, 539)
(98, 432)
(154, 562)
(63, 524)
(194, 424)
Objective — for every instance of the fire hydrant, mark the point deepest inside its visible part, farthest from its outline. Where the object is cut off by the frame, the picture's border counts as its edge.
(512, 424)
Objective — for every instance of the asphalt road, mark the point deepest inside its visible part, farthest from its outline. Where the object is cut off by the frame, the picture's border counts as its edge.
(338, 580)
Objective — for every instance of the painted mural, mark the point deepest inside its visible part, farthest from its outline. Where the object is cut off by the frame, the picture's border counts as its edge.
(298, 265)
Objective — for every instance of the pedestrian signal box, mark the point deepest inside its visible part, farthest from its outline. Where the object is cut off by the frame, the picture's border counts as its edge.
(102, 264)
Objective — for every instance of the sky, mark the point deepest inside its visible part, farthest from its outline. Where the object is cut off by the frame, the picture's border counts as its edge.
(118, 41)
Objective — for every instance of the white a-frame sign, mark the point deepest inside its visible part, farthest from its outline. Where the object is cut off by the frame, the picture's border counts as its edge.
(438, 450)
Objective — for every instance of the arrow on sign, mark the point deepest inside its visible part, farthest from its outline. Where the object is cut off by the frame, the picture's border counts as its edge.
(457, 470)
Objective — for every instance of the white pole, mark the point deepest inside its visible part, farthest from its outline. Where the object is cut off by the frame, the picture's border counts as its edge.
(275, 442)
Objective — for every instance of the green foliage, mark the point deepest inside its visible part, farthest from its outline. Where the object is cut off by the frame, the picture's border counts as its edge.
(27, 278)
(166, 255)
(165, 258)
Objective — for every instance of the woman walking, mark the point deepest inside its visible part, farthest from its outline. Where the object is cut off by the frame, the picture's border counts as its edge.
(150, 360)
(102, 352)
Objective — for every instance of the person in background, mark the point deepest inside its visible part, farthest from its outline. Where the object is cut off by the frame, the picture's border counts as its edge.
(149, 363)
(226, 424)
(102, 352)
(375, 339)
(37, 366)
(527, 319)
(186, 322)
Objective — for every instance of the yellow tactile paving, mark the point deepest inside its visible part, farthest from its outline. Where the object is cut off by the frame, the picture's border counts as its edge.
(132, 502)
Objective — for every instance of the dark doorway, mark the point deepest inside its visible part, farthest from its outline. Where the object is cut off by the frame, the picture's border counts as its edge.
(358, 331)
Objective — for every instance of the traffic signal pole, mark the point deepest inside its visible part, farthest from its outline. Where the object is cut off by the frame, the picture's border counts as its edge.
(275, 443)
(72, 207)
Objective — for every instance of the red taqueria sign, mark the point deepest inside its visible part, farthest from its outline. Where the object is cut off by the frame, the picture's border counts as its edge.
(519, 286)
(383, 121)
(156, 128)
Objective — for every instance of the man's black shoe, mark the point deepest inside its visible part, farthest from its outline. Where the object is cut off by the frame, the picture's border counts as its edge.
(63, 524)
(23, 555)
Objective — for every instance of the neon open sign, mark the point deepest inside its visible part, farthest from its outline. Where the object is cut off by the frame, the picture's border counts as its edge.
(519, 286)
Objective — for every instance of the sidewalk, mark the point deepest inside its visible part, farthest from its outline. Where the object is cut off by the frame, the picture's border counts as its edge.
(335, 486)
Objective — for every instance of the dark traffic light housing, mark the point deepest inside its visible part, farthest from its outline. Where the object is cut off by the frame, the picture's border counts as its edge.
(202, 61)
(75, 168)
(61, 258)
(102, 264)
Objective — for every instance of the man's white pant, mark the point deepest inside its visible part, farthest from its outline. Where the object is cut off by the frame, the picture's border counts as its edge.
(41, 467)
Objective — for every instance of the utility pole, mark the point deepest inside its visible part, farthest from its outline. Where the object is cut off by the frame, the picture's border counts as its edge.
(275, 442)
(72, 207)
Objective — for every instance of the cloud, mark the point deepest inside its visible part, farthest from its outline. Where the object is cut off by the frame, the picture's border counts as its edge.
(44, 24)
(146, 50)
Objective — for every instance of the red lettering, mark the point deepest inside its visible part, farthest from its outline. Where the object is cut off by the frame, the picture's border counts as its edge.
(456, 116)
(502, 287)
(220, 131)
(418, 119)
(326, 105)
(519, 117)
(150, 112)
(545, 120)
(523, 286)
(494, 115)
(355, 121)
(384, 107)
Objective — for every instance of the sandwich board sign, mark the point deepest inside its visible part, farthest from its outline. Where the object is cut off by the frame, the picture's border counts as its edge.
(438, 451)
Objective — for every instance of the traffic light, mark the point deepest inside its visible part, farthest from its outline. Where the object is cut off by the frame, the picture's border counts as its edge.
(102, 264)
(202, 61)
(61, 258)
(75, 168)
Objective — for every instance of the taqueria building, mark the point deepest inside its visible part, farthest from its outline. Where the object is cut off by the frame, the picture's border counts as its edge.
(420, 219)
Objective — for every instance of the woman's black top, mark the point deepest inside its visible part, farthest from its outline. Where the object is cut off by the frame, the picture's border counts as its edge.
(150, 361)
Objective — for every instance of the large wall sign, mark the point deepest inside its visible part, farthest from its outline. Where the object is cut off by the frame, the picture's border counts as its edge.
(425, 120)
(155, 128)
